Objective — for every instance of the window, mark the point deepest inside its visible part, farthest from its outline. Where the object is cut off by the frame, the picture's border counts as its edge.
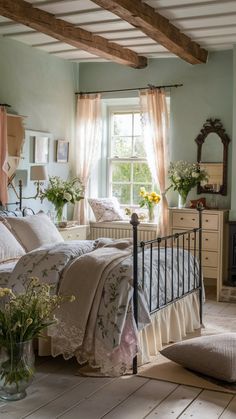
(128, 168)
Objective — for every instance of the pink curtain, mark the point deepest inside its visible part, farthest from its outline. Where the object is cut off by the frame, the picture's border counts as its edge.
(3, 156)
(87, 145)
(156, 128)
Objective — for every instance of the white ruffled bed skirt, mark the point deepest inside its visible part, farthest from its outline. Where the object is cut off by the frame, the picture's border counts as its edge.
(170, 324)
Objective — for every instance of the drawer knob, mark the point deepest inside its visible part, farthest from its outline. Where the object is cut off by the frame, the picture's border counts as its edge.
(207, 220)
(181, 218)
(77, 235)
(206, 240)
(193, 219)
(206, 258)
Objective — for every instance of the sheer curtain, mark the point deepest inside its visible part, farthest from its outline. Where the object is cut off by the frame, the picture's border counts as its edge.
(87, 145)
(3, 156)
(156, 128)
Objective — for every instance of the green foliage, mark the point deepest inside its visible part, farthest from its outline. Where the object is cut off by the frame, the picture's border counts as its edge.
(25, 315)
(184, 176)
(22, 318)
(61, 192)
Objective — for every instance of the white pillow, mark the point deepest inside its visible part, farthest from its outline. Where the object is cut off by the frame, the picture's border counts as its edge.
(9, 246)
(106, 209)
(33, 231)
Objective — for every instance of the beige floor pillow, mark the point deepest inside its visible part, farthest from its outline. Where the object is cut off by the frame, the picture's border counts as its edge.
(213, 355)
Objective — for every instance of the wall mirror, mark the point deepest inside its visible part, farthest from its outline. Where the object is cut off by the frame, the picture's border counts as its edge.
(212, 155)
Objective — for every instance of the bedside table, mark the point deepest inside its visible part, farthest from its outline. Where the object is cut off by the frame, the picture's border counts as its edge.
(78, 232)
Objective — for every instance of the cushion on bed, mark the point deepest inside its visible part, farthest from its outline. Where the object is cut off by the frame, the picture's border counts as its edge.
(213, 355)
(106, 209)
(10, 248)
(33, 231)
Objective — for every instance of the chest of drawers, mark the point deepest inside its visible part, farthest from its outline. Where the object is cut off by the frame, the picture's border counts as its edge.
(78, 232)
(214, 239)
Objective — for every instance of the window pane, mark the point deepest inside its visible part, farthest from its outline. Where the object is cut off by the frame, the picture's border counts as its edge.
(136, 188)
(122, 193)
(121, 172)
(122, 124)
(121, 147)
(137, 124)
(139, 150)
(142, 173)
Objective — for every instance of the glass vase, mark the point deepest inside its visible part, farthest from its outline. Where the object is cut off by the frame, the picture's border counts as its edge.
(60, 209)
(16, 369)
(151, 214)
(182, 199)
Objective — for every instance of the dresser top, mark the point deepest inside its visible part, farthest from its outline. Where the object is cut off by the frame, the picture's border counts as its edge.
(211, 210)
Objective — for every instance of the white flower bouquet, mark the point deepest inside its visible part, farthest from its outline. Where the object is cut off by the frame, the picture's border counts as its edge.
(61, 192)
(184, 176)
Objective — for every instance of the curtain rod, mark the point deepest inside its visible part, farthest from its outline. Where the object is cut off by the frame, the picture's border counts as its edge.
(149, 86)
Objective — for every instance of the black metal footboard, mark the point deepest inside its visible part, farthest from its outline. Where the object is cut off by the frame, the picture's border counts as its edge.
(176, 263)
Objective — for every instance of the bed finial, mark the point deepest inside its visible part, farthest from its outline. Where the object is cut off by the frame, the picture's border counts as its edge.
(134, 219)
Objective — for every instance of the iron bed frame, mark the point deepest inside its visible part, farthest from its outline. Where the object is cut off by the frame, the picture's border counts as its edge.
(161, 242)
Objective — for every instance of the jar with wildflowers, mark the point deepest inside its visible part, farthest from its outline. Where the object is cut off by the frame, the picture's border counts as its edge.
(149, 200)
(183, 177)
(23, 316)
(61, 192)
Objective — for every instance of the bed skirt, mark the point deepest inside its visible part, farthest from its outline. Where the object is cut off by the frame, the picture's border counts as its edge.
(170, 324)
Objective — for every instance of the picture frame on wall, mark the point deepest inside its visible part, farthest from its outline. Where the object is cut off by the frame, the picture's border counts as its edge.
(62, 153)
(41, 148)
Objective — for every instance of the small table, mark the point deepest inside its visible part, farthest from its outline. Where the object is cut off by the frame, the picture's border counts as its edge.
(75, 232)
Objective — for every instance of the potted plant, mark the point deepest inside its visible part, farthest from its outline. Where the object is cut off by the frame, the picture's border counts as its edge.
(183, 177)
(23, 316)
(61, 192)
(149, 200)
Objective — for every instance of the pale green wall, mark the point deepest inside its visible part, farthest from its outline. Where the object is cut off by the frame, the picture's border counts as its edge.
(41, 87)
(207, 92)
(233, 192)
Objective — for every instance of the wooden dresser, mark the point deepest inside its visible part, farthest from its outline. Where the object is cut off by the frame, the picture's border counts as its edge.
(214, 240)
(78, 232)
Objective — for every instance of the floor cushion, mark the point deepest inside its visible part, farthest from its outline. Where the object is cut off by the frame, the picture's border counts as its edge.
(213, 355)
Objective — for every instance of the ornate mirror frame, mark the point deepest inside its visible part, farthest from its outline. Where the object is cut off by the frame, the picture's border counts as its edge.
(214, 126)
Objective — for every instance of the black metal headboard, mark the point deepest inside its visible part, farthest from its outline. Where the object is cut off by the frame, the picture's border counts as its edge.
(17, 213)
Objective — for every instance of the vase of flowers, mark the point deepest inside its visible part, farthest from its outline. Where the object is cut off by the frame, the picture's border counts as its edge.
(22, 318)
(149, 200)
(61, 192)
(183, 177)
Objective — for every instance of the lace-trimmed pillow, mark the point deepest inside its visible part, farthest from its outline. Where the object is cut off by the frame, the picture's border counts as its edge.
(33, 231)
(106, 209)
(10, 248)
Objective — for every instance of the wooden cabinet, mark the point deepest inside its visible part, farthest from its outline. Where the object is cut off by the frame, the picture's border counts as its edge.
(78, 232)
(214, 240)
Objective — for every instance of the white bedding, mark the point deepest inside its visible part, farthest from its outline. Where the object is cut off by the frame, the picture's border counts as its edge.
(100, 326)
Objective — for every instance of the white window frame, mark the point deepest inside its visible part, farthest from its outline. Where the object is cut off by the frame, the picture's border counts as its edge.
(121, 109)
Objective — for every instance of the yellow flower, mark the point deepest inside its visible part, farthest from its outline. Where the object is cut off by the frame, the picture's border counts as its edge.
(148, 198)
(5, 291)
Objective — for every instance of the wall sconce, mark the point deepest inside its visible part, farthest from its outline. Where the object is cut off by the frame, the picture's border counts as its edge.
(37, 173)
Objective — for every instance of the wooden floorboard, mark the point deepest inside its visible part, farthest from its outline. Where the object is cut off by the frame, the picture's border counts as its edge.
(58, 392)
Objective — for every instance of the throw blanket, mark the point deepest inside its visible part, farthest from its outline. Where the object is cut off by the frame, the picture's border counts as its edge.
(99, 326)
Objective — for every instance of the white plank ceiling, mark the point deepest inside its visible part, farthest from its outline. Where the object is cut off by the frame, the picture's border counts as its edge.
(210, 23)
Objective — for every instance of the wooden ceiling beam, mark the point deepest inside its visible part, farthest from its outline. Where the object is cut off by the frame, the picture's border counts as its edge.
(146, 19)
(23, 12)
